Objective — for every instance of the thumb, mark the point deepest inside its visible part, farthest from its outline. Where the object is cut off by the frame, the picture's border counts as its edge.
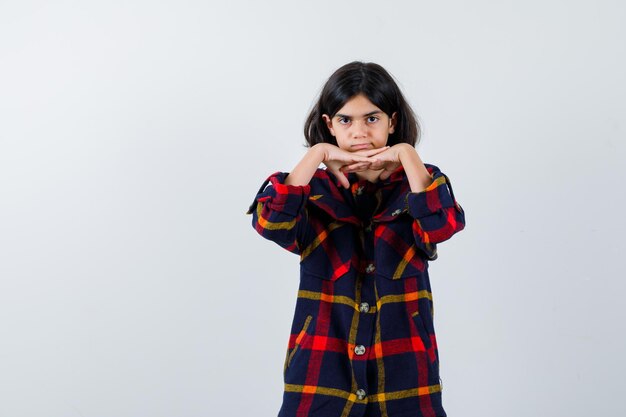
(385, 174)
(341, 177)
(343, 180)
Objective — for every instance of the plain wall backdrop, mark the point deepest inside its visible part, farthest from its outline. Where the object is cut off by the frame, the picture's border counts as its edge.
(135, 134)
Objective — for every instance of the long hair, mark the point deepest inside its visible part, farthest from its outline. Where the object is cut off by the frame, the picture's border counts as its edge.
(378, 86)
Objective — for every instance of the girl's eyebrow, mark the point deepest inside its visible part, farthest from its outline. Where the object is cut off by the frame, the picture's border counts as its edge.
(365, 115)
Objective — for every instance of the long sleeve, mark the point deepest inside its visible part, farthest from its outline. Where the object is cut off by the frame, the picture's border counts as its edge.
(438, 216)
(278, 212)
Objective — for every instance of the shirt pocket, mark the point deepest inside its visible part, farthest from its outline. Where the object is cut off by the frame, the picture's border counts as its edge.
(399, 269)
(431, 354)
(330, 256)
(327, 273)
(299, 342)
(396, 255)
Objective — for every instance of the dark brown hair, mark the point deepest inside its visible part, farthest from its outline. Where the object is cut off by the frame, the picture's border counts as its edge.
(378, 86)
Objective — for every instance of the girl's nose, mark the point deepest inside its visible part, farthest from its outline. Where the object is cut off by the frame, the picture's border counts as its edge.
(359, 129)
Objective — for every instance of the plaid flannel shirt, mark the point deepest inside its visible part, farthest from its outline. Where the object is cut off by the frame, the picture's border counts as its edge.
(362, 339)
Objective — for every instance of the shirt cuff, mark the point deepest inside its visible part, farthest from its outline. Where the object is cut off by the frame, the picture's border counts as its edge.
(437, 195)
(281, 197)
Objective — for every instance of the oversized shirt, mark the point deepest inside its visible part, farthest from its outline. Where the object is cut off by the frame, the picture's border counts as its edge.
(362, 340)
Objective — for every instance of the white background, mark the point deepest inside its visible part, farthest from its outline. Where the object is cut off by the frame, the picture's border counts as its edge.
(135, 134)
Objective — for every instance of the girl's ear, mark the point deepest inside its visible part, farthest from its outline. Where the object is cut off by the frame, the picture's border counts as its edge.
(392, 122)
(329, 123)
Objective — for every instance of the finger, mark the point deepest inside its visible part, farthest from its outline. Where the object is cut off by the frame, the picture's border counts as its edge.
(371, 152)
(356, 159)
(377, 164)
(342, 178)
(357, 166)
(344, 181)
(385, 174)
(379, 160)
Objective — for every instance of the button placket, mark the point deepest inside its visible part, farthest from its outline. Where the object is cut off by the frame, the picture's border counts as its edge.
(366, 268)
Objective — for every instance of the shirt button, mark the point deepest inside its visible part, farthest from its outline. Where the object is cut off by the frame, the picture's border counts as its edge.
(360, 394)
(395, 213)
(359, 349)
(370, 268)
(364, 308)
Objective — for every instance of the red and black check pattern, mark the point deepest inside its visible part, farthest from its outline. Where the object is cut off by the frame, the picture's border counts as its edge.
(362, 340)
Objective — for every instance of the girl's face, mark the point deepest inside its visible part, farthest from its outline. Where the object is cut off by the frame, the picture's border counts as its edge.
(359, 124)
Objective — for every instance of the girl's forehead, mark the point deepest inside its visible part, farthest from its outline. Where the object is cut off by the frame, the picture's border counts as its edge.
(358, 105)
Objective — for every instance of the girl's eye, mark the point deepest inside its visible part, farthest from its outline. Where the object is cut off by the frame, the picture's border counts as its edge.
(372, 119)
(344, 120)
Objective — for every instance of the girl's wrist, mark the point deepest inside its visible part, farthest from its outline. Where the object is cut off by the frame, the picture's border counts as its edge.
(319, 150)
(404, 152)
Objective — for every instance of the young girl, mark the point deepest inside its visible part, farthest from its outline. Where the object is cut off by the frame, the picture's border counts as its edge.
(362, 339)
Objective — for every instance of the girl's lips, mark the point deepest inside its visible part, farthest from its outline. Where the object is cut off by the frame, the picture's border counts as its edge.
(361, 146)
